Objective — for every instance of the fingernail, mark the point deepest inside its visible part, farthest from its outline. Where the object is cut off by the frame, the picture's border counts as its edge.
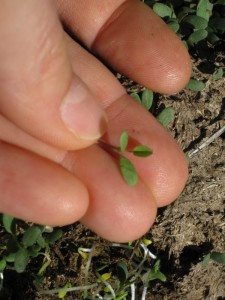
(81, 113)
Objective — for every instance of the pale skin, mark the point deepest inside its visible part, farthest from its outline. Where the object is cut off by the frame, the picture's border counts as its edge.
(52, 170)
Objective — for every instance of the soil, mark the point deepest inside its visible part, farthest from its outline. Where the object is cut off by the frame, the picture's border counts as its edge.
(184, 232)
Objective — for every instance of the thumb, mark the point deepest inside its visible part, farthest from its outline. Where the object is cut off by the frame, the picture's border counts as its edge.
(38, 90)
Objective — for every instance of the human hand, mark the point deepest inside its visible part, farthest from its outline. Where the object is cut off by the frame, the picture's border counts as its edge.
(52, 170)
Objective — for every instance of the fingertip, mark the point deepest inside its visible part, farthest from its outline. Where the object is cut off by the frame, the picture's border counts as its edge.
(146, 50)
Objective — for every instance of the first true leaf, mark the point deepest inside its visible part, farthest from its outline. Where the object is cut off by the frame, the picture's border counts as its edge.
(123, 141)
(128, 171)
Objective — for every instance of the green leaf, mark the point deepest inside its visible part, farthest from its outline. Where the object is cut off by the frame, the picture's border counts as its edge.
(62, 293)
(2, 265)
(218, 257)
(128, 171)
(155, 272)
(54, 236)
(21, 260)
(31, 235)
(122, 296)
(122, 271)
(174, 25)
(136, 97)
(220, 2)
(41, 241)
(196, 22)
(166, 116)
(204, 9)
(123, 141)
(197, 36)
(162, 10)
(218, 74)
(213, 38)
(10, 257)
(142, 151)
(147, 99)
(34, 251)
(195, 85)
(218, 24)
(206, 260)
(7, 222)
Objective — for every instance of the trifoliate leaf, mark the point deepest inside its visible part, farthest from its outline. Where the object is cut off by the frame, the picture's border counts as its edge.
(142, 151)
(128, 171)
(7, 222)
(195, 85)
(166, 116)
(147, 99)
(123, 141)
(21, 260)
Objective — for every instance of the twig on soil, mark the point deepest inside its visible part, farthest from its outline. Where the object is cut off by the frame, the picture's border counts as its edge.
(207, 142)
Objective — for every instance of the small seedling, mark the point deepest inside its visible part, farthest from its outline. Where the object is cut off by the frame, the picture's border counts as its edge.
(146, 98)
(215, 256)
(195, 85)
(127, 168)
(165, 117)
(24, 243)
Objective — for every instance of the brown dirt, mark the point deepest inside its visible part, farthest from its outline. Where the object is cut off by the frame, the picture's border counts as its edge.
(183, 233)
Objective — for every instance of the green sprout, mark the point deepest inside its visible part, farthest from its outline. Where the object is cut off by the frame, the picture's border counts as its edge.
(127, 168)
(23, 244)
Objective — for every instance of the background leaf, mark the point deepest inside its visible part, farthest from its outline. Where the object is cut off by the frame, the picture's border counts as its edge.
(21, 260)
(7, 222)
(122, 271)
(162, 10)
(147, 99)
(196, 22)
(197, 36)
(166, 116)
(2, 265)
(218, 74)
(204, 9)
(195, 85)
(31, 235)
(54, 236)
(136, 97)
(123, 141)
(218, 257)
(128, 171)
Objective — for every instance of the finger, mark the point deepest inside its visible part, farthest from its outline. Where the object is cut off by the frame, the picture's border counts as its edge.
(165, 172)
(132, 39)
(39, 91)
(35, 189)
(116, 211)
